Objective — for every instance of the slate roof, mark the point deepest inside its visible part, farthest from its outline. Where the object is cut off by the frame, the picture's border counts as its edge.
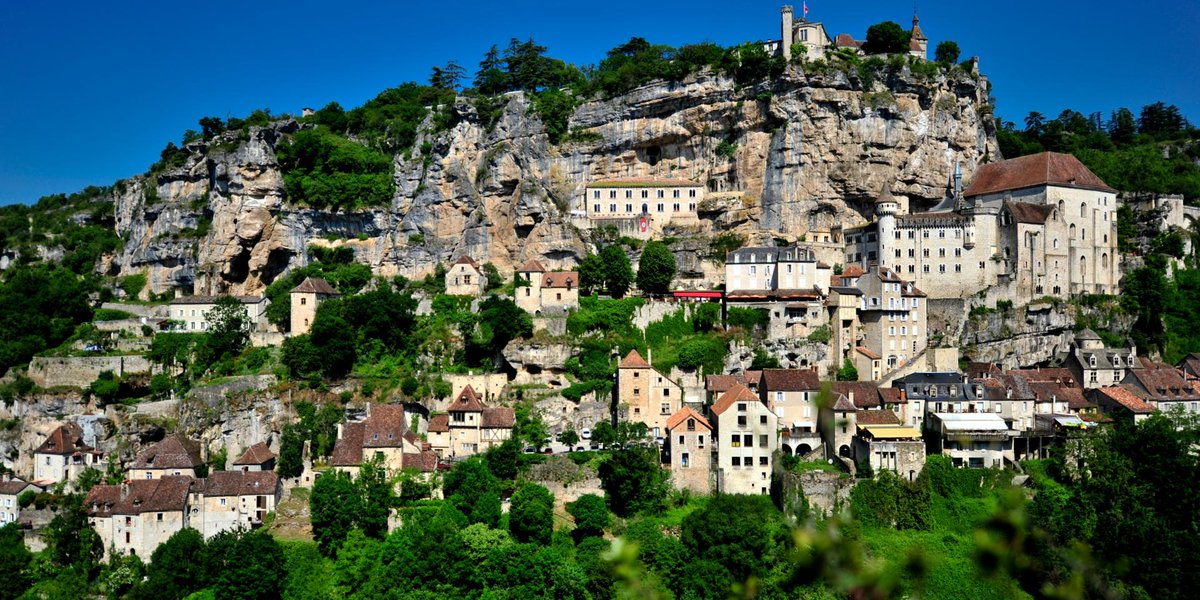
(565, 279)
(876, 417)
(1191, 364)
(844, 404)
(633, 360)
(467, 401)
(682, 415)
(258, 454)
(769, 255)
(790, 380)
(237, 483)
(1045, 390)
(1163, 382)
(738, 393)
(347, 450)
(499, 417)
(173, 452)
(315, 285)
(1023, 212)
(1045, 168)
(65, 440)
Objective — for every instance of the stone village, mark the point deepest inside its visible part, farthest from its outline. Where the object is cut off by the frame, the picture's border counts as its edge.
(884, 291)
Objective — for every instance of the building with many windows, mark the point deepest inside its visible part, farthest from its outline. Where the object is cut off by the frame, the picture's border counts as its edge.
(688, 448)
(646, 395)
(642, 206)
(746, 434)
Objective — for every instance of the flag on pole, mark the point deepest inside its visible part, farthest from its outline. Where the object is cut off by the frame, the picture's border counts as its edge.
(805, 6)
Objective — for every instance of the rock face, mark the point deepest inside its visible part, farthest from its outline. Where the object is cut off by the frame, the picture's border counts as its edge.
(812, 151)
(1021, 337)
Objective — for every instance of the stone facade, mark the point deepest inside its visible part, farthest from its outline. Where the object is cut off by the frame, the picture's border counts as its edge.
(81, 371)
(383, 435)
(189, 311)
(896, 448)
(10, 490)
(469, 427)
(892, 316)
(746, 435)
(228, 500)
(792, 395)
(688, 448)
(172, 457)
(648, 396)
(652, 203)
(1095, 366)
(64, 455)
(465, 278)
(135, 517)
(305, 299)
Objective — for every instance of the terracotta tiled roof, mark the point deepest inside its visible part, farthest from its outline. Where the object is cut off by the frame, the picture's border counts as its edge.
(633, 360)
(643, 182)
(165, 494)
(237, 483)
(845, 40)
(315, 285)
(682, 415)
(892, 395)
(258, 454)
(1046, 168)
(738, 393)
(385, 428)
(439, 423)
(844, 404)
(722, 383)
(866, 394)
(867, 353)
(425, 461)
(1162, 382)
(101, 500)
(1126, 398)
(467, 401)
(173, 452)
(65, 440)
(532, 266)
(500, 417)
(876, 417)
(1191, 364)
(13, 487)
(790, 380)
(1045, 390)
(347, 450)
(1023, 212)
(467, 260)
(566, 280)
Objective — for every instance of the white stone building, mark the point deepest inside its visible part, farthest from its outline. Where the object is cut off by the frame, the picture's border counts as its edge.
(189, 312)
(746, 435)
(64, 455)
(642, 206)
(465, 278)
(11, 489)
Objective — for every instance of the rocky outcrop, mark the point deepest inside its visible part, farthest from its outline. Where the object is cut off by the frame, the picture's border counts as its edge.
(1019, 337)
(812, 151)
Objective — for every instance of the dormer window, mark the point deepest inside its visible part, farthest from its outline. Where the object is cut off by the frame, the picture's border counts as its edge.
(374, 436)
(1092, 361)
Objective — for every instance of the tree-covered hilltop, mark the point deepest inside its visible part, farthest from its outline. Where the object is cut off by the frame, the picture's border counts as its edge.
(1156, 151)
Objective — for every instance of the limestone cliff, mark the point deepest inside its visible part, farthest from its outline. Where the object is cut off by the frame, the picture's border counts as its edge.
(812, 151)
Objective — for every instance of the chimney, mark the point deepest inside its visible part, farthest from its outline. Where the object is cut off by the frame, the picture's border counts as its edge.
(124, 489)
(339, 431)
(851, 396)
(650, 355)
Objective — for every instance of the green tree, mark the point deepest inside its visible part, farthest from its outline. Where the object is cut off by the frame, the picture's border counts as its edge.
(604, 433)
(335, 505)
(376, 499)
(504, 321)
(568, 437)
(491, 79)
(15, 559)
(610, 270)
(87, 479)
(591, 516)
(473, 490)
(503, 460)
(228, 326)
(175, 569)
(105, 388)
(887, 38)
(634, 482)
(656, 268)
(947, 52)
(848, 372)
(291, 452)
(734, 531)
(531, 517)
(245, 565)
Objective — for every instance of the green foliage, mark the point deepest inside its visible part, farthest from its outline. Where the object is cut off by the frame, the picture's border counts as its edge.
(656, 269)
(591, 516)
(109, 314)
(133, 285)
(706, 352)
(633, 482)
(291, 452)
(351, 328)
(324, 170)
(244, 565)
(175, 569)
(609, 271)
(603, 315)
(554, 108)
(734, 531)
(848, 372)
(15, 559)
(946, 52)
(531, 517)
(502, 321)
(886, 38)
(762, 360)
(727, 149)
(334, 504)
(821, 335)
(42, 307)
(70, 539)
(474, 491)
(748, 319)
(724, 244)
(229, 327)
(888, 501)
(105, 388)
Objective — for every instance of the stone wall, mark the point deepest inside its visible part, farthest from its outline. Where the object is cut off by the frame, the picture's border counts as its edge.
(826, 492)
(81, 371)
(487, 385)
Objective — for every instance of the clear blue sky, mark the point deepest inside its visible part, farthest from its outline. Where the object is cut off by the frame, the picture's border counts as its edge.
(91, 91)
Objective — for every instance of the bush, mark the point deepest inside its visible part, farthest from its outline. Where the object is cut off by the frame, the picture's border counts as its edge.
(748, 318)
(324, 170)
(133, 285)
(26, 498)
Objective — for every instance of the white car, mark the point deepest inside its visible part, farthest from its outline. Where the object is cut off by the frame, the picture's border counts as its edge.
(585, 434)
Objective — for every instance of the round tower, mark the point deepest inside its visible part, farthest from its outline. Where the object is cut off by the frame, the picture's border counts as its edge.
(785, 38)
(886, 208)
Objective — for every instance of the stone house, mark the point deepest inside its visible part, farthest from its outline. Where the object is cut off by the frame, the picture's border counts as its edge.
(892, 316)
(173, 456)
(792, 395)
(1164, 386)
(1122, 402)
(647, 395)
(189, 311)
(810, 35)
(1094, 366)
(11, 489)
(716, 385)
(64, 455)
(135, 517)
(465, 278)
(789, 283)
(305, 299)
(972, 439)
(932, 392)
(227, 500)
(746, 436)
(469, 427)
(546, 291)
(384, 435)
(641, 206)
(256, 458)
(1190, 366)
(688, 448)
(868, 364)
(889, 446)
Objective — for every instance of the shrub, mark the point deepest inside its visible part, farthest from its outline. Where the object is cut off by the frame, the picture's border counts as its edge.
(727, 149)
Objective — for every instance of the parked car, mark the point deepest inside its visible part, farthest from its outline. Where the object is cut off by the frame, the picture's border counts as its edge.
(595, 446)
(547, 450)
(530, 450)
(580, 449)
(585, 434)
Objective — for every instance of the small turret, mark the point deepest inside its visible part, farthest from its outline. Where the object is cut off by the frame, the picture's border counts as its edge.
(886, 208)
(785, 39)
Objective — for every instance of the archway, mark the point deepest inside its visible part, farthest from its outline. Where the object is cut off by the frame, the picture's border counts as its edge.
(844, 451)
(803, 450)
(787, 450)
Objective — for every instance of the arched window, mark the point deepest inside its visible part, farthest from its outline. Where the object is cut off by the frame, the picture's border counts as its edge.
(1104, 260)
(1056, 242)
(1083, 267)
(1083, 209)
(1072, 231)
(1062, 213)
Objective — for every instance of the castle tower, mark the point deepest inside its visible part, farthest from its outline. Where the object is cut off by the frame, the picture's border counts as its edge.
(786, 38)
(886, 208)
(918, 44)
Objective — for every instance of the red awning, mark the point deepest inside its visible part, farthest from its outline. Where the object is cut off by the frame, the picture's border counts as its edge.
(698, 294)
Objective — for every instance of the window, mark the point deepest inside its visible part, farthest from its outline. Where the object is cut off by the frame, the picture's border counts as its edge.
(628, 194)
(612, 208)
(700, 440)
(666, 391)
(762, 419)
(735, 461)
(674, 193)
(957, 268)
(612, 194)
(159, 519)
(924, 268)
(659, 194)
(596, 194)
(222, 502)
(660, 207)
(941, 268)
(957, 252)
(595, 208)
(637, 391)
(762, 439)
(645, 193)
(741, 420)
(628, 208)
(748, 440)
(675, 207)
(665, 408)
(691, 193)
(762, 461)
(683, 460)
